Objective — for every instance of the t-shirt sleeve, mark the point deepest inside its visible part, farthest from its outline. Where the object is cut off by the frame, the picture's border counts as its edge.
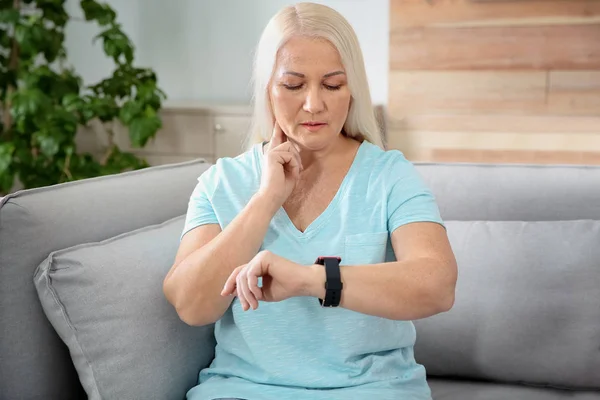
(200, 209)
(409, 198)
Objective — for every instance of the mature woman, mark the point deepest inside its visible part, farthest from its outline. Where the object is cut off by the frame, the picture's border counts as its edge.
(314, 250)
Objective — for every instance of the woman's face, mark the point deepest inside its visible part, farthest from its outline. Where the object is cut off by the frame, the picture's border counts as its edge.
(309, 92)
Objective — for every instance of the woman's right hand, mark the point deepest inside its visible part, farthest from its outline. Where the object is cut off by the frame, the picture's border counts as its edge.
(281, 167)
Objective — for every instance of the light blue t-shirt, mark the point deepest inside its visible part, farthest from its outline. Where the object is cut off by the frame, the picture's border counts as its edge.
(295, 349)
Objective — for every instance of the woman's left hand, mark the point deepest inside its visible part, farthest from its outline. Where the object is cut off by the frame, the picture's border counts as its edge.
(281, 279)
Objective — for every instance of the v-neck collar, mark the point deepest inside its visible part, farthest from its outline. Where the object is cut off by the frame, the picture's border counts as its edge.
(281, 216)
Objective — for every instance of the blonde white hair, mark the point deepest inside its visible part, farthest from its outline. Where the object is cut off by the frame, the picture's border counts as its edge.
(317, 21)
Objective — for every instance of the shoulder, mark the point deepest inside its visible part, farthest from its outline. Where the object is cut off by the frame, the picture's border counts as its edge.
(234, 171)
(238, 167)
(387, 165)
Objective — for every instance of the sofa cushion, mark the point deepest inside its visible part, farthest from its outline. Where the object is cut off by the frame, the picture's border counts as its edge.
(446, 389)
(527, 305)
(106, 302)
(33, 223)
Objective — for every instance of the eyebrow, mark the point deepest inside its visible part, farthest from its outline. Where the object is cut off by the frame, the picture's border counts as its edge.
(298, 74)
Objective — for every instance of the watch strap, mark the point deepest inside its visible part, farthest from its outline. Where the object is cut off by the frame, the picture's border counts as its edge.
(333, 282)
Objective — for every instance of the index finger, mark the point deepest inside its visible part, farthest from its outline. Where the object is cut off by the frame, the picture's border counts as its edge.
(278, 137)
(230, 285)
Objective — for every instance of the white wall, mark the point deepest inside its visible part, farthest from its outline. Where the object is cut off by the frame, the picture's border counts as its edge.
(202, 49)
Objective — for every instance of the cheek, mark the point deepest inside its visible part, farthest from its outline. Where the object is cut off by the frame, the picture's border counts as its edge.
(284, 104)
(285, 109)
(339, 104)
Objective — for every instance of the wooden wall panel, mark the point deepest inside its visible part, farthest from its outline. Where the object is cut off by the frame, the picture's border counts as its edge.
(495, 81)
(422, 140)
(574, 92)
(516, 156)
(463, 92)
(461, 13)
(491, 48)
(529, 124)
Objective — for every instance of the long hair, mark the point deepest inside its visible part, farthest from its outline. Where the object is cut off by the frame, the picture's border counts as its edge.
(312, 20)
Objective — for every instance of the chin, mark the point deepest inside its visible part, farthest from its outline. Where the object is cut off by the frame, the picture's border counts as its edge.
(314, 140)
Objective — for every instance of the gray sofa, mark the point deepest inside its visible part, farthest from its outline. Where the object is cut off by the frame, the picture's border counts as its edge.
(81, 263)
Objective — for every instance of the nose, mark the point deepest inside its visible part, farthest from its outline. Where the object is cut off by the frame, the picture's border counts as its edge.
(314, 102)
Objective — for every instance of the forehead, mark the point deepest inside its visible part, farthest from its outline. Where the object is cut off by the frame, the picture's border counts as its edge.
(306, 55)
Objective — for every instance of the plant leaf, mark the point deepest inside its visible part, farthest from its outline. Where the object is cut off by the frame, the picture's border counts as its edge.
(142, 129)
(9, 16)
(6, 155)
(129, 111)
(7, 180)
(7, 174)
(101, 13)
(49, 143)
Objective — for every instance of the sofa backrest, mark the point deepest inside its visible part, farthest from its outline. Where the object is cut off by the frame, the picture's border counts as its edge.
(513, 192)
(527, 242)
(35, 363)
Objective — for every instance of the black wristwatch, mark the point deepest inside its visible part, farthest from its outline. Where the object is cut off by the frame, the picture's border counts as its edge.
(333, 282)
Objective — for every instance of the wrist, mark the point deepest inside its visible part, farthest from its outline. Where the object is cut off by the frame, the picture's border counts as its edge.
(266, 202)
(314, 281)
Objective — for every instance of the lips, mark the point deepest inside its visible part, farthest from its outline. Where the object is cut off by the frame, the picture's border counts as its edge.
(313, 126)
(313, 123)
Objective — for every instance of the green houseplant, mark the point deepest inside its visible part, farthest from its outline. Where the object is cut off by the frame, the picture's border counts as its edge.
(43, 102)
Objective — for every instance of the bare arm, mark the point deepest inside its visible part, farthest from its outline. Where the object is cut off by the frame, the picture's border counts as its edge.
(207, 256)
(419, 284)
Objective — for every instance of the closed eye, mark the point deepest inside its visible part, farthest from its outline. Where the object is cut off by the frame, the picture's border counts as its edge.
(291, 87)
(298, 87)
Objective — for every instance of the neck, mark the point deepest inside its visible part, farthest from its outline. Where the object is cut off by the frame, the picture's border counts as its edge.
(327, 157)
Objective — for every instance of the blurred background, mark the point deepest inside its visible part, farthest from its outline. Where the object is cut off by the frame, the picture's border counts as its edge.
(492, 81)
